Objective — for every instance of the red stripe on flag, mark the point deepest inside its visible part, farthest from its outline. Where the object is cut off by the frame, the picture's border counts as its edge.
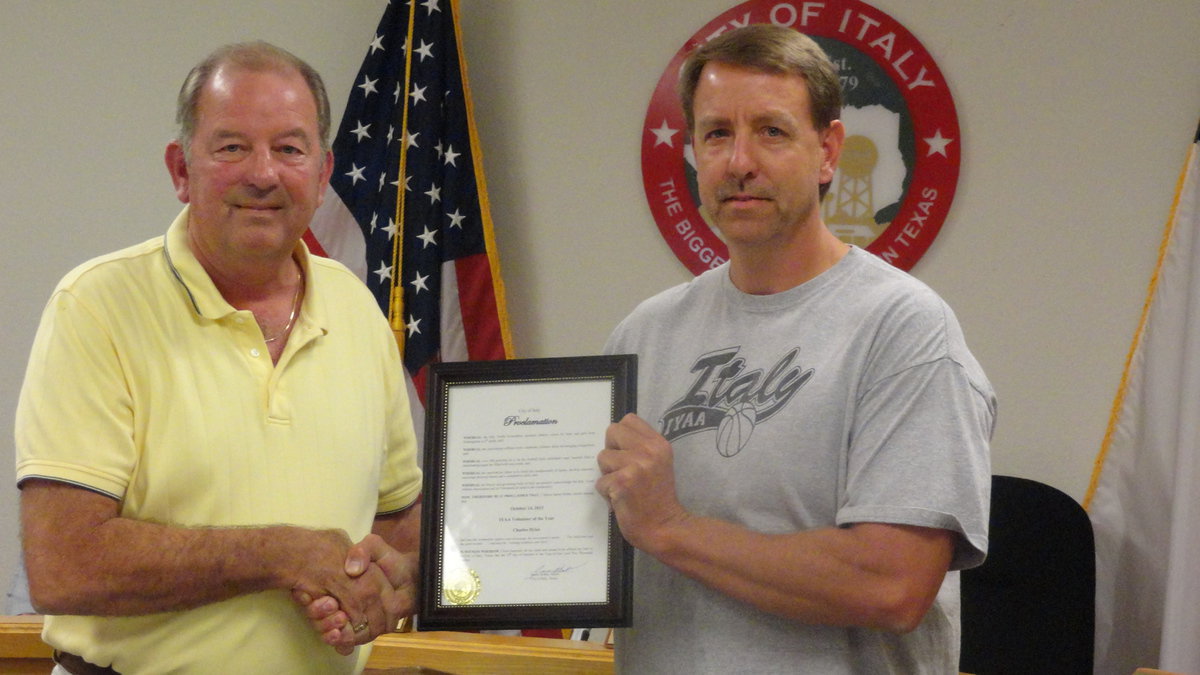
(419, 383)
(314, 246)
(477, 298)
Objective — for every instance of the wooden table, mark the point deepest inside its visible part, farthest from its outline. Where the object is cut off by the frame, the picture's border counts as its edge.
(22, 652)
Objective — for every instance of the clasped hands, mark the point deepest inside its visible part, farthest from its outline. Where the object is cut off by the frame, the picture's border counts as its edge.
(365, 596)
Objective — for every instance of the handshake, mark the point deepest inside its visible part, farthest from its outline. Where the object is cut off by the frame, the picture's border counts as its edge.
(353, 593)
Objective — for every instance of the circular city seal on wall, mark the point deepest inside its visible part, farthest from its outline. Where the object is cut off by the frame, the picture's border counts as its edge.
(899, 166)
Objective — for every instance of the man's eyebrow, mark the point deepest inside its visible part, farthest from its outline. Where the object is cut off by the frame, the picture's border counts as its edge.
(297, 132)
(223, 134)
(775, 117)
(712, 120)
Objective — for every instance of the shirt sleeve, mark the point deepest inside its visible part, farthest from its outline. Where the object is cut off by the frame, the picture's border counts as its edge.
(400, 480)
(919, 447)
(75, 417)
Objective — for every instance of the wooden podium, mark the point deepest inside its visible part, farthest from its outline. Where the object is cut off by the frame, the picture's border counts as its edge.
(471, 653)
(22, 652)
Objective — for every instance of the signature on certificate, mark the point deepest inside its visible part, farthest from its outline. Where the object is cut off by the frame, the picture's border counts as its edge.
(548, 573)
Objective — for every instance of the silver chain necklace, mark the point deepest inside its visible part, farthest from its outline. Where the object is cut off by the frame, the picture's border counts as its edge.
(295, 308)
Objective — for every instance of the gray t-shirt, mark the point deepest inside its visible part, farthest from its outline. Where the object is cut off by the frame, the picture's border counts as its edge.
(850, 398)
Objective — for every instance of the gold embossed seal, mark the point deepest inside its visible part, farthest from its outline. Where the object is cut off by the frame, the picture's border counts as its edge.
(462, 587)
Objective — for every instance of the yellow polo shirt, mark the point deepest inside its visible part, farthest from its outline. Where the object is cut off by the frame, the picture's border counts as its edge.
(146, 385)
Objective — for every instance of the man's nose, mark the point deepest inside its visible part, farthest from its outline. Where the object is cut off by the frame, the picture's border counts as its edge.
(261, 171)
(743, 160)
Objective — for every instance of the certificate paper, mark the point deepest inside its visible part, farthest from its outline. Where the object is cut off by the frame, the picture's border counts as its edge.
(514, 534)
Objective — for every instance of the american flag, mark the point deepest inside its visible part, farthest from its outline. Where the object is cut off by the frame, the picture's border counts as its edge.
(422, 243)
(407, 204)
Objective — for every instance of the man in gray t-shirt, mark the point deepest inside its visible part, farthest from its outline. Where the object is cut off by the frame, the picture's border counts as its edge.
(809, 466)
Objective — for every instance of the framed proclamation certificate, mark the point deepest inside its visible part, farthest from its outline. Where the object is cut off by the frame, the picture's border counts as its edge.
(514, 534)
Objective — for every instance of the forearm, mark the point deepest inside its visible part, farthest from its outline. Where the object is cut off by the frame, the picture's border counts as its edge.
(876, 576)
(873, 575)
(401, 530)
(140, 568)
(82, 558)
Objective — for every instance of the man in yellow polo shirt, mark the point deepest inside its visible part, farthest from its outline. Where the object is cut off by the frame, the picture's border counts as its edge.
(212, 419)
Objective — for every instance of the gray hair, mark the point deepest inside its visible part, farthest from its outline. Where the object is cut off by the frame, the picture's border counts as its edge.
(256, 57)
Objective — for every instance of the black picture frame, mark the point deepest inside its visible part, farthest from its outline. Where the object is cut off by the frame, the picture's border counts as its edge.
(447, 604)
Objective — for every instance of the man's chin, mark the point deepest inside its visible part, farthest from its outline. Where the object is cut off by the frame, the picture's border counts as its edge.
(732, 222)
(266, 235)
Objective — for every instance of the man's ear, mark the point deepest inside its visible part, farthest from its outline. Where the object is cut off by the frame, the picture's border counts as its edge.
(832, 141)
(177, 167)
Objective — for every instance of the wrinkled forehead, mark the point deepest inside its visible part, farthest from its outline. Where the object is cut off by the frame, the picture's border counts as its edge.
(247, 92)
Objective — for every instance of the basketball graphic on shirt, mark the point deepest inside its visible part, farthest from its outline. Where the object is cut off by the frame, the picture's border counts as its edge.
(735, 429)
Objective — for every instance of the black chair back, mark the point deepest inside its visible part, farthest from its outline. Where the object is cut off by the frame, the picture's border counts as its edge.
(1031, 606)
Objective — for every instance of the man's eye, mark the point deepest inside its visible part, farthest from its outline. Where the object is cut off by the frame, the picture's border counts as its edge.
(774, 131)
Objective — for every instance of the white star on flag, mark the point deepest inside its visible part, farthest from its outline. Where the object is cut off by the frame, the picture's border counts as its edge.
(427, 237)
(384, 272)
(418, 283)
(425, 50)
(368, 86)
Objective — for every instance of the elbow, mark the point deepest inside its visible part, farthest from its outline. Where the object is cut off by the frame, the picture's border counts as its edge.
(900, 609)
(43, 606)
(48, 597)
(904, 620)
(58, 587)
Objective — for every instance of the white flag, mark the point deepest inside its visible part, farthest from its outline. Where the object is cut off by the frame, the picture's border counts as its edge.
(1144, 499)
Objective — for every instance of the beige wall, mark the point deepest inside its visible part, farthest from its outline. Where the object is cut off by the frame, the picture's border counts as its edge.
(1075, 119)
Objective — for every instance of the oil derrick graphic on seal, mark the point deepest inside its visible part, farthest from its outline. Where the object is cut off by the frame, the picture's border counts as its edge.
(850, 210)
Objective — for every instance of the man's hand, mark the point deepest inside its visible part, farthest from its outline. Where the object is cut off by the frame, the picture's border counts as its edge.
(638, 480)
(383, 586)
